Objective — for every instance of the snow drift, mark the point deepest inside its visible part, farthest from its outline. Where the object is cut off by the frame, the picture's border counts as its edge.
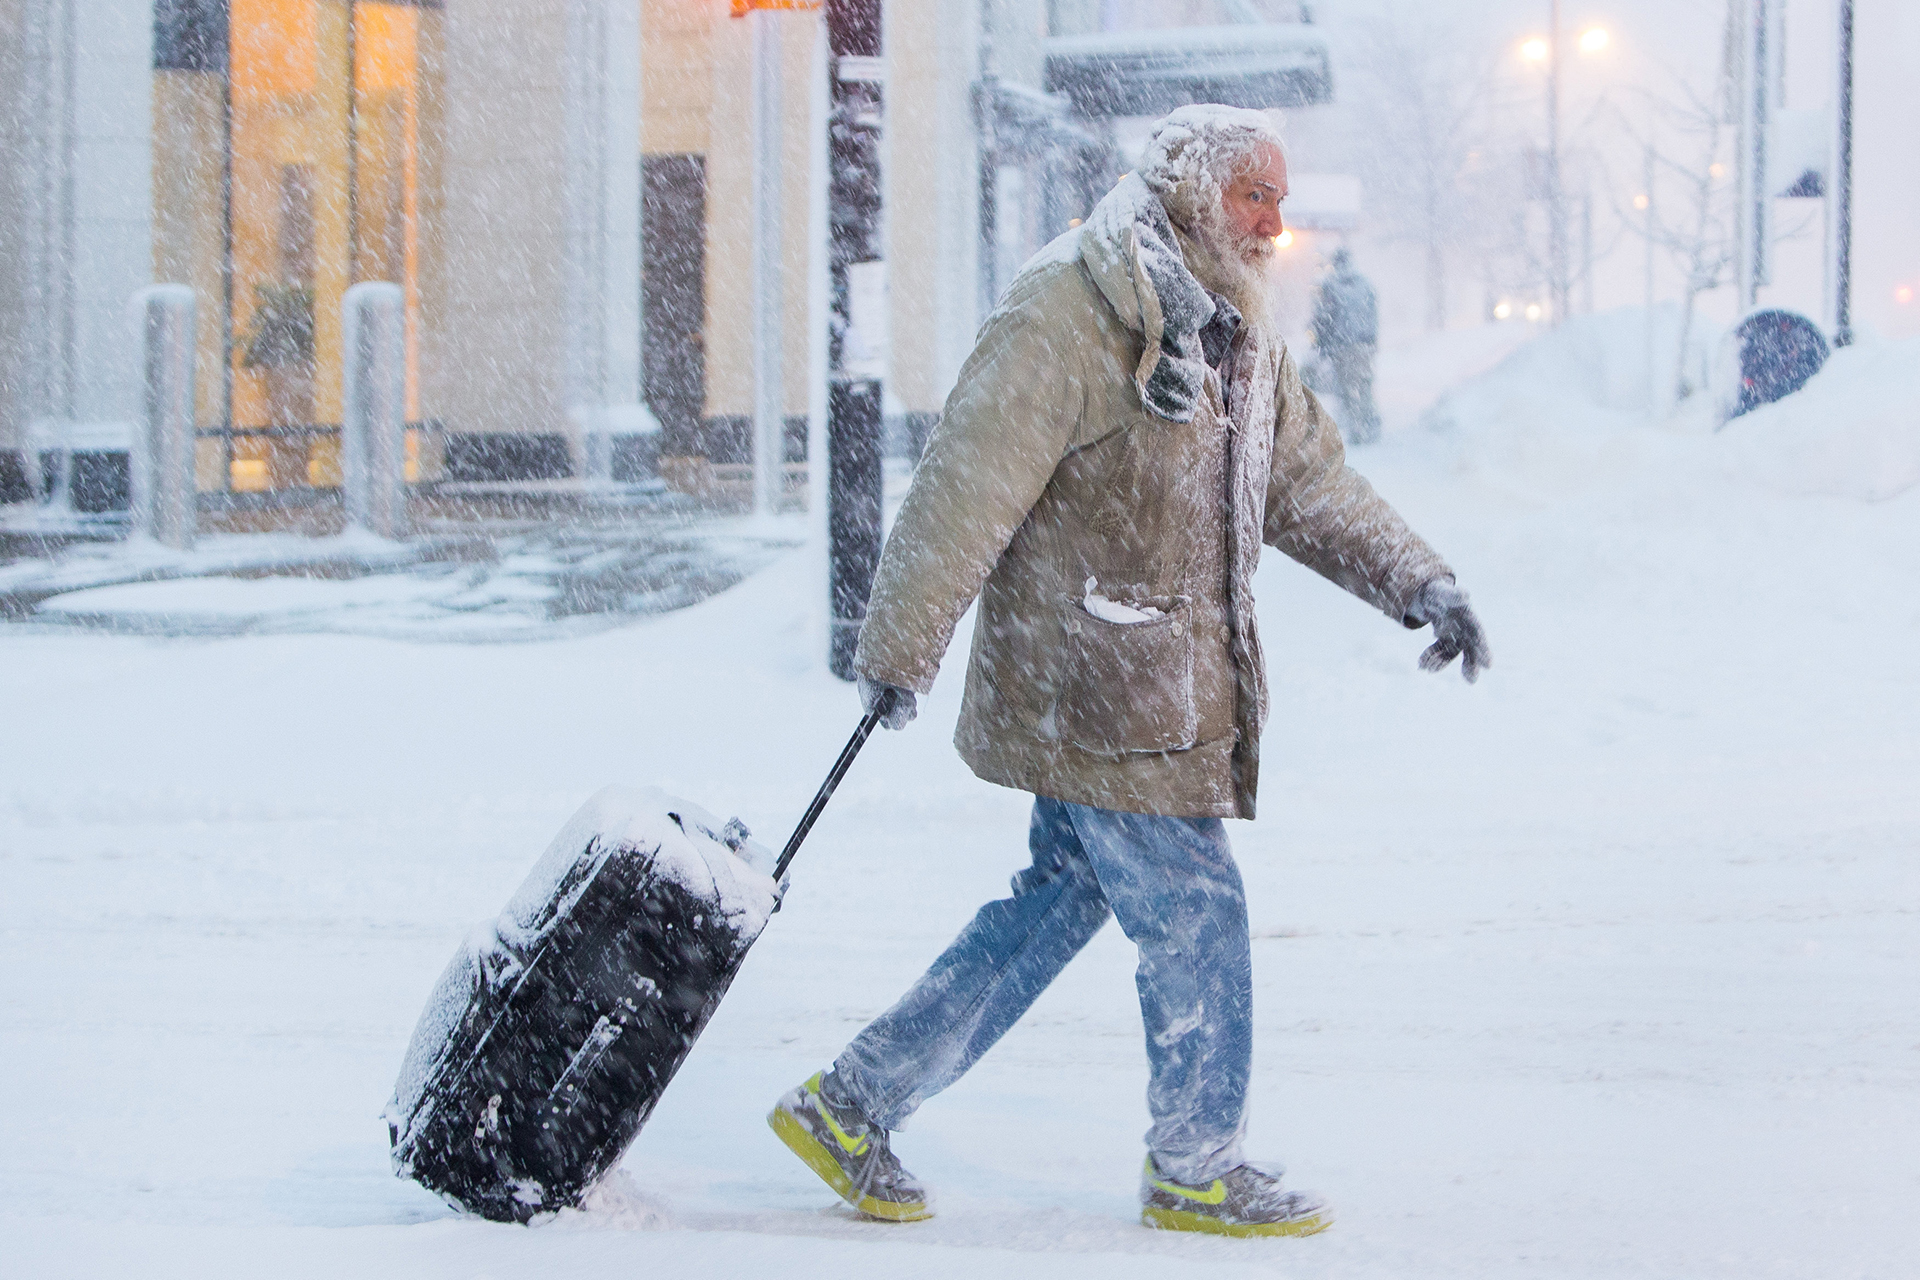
(1851, 432)
(1575, 407)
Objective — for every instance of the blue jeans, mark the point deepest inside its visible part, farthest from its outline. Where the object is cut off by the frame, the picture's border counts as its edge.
(1174, 887)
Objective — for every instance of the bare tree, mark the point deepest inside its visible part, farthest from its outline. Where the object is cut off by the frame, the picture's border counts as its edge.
(1421, 102)
(1689, 141)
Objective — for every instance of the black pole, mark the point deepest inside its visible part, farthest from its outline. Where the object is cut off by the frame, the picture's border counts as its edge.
(853, 396)
(986, 120)
(1843, 190)
(1762, 196)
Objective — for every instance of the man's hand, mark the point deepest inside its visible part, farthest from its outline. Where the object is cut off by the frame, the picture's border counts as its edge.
(901, 710)
(1456, 632)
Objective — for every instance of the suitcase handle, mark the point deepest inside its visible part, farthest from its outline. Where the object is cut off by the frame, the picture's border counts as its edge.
(868, 723)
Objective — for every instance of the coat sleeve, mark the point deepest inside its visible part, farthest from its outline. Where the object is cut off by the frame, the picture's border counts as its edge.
(1324, 514)
(1005, 428)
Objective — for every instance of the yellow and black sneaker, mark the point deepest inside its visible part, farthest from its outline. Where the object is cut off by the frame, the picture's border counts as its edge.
(1247, 1201)
(849, 1153)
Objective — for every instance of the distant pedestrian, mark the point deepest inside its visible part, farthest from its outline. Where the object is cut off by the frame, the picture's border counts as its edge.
(1346, 330)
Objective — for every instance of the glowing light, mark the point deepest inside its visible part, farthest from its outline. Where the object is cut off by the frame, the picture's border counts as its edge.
(1284, 239)
(1502, 310)
(248, 475)
(1534, 50)
(1641, 202)
(1903, 294)
(1716, 171)
(741, 8)
(1533, 311)
(1073, 222)
(1593, 39)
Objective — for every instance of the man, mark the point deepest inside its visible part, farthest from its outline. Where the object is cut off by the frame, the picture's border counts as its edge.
(1126, 433)
(1346, 330)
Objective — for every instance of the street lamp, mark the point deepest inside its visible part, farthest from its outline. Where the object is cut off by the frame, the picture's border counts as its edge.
(1547, 49)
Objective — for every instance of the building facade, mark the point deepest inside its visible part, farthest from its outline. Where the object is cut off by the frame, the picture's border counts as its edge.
(270, 154)
(565, 192)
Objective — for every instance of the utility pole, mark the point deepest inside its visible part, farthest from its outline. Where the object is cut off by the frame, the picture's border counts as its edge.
(856, 73)
(986, 108)
(1843, 190)
(1557, 267)
(1753, 84)
(1653, 377)
(769, 389)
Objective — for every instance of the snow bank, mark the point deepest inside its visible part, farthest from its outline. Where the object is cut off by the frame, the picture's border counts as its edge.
(1571, 410)
(1589, 373)
(1851, 432)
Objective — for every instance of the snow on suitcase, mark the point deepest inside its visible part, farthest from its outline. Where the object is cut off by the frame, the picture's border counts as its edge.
(554, 1031)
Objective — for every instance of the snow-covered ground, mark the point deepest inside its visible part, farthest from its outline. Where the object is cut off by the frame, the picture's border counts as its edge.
(484, 582)
(1602, 967)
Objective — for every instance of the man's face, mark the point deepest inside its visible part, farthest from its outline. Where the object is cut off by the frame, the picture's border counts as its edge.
(1252, 203)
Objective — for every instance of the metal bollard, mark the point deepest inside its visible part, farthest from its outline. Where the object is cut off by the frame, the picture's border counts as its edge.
(164, 500)
(373, 407)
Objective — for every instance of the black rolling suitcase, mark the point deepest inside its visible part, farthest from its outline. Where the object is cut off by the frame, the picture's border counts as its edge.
(551, 1036)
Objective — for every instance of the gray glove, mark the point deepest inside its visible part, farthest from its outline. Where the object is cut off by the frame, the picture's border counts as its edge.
(899, 712)
(1456, 632)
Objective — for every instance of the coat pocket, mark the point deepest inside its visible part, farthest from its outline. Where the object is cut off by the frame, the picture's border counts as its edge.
(1129, 686)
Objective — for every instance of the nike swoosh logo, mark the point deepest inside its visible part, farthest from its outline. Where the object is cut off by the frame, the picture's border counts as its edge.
(1212, 1195)
(852, 1146)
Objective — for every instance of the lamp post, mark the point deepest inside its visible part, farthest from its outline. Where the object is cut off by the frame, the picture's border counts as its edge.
(1753, 75)
(1547, 49)
(769, 383)
(1644, 203)
(1557, 281)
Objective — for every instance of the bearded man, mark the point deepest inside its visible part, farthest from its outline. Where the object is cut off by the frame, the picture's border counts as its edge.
(1126, 434)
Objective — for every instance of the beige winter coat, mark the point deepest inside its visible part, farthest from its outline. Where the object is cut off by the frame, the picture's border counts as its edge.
(1046, 470)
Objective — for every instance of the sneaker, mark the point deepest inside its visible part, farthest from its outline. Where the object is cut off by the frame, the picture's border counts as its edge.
(850, 1154)
(1248, 1201)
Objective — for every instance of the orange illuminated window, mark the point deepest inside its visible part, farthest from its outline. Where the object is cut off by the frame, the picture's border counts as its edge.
(324, 157)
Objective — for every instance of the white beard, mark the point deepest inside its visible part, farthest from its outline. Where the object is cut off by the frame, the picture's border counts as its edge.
(1232, 263)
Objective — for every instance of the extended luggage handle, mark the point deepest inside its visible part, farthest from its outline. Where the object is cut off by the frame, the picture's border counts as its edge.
(868, 723)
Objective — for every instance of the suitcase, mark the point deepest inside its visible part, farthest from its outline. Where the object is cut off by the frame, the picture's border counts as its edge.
(552, 1034)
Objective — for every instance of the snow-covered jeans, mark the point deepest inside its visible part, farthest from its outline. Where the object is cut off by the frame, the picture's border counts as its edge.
(1174, 887)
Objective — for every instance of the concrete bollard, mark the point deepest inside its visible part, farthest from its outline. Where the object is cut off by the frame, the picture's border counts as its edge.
(164, 501)
(373, 407)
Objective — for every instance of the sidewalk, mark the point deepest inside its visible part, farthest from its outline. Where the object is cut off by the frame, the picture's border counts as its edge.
(489, 568)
